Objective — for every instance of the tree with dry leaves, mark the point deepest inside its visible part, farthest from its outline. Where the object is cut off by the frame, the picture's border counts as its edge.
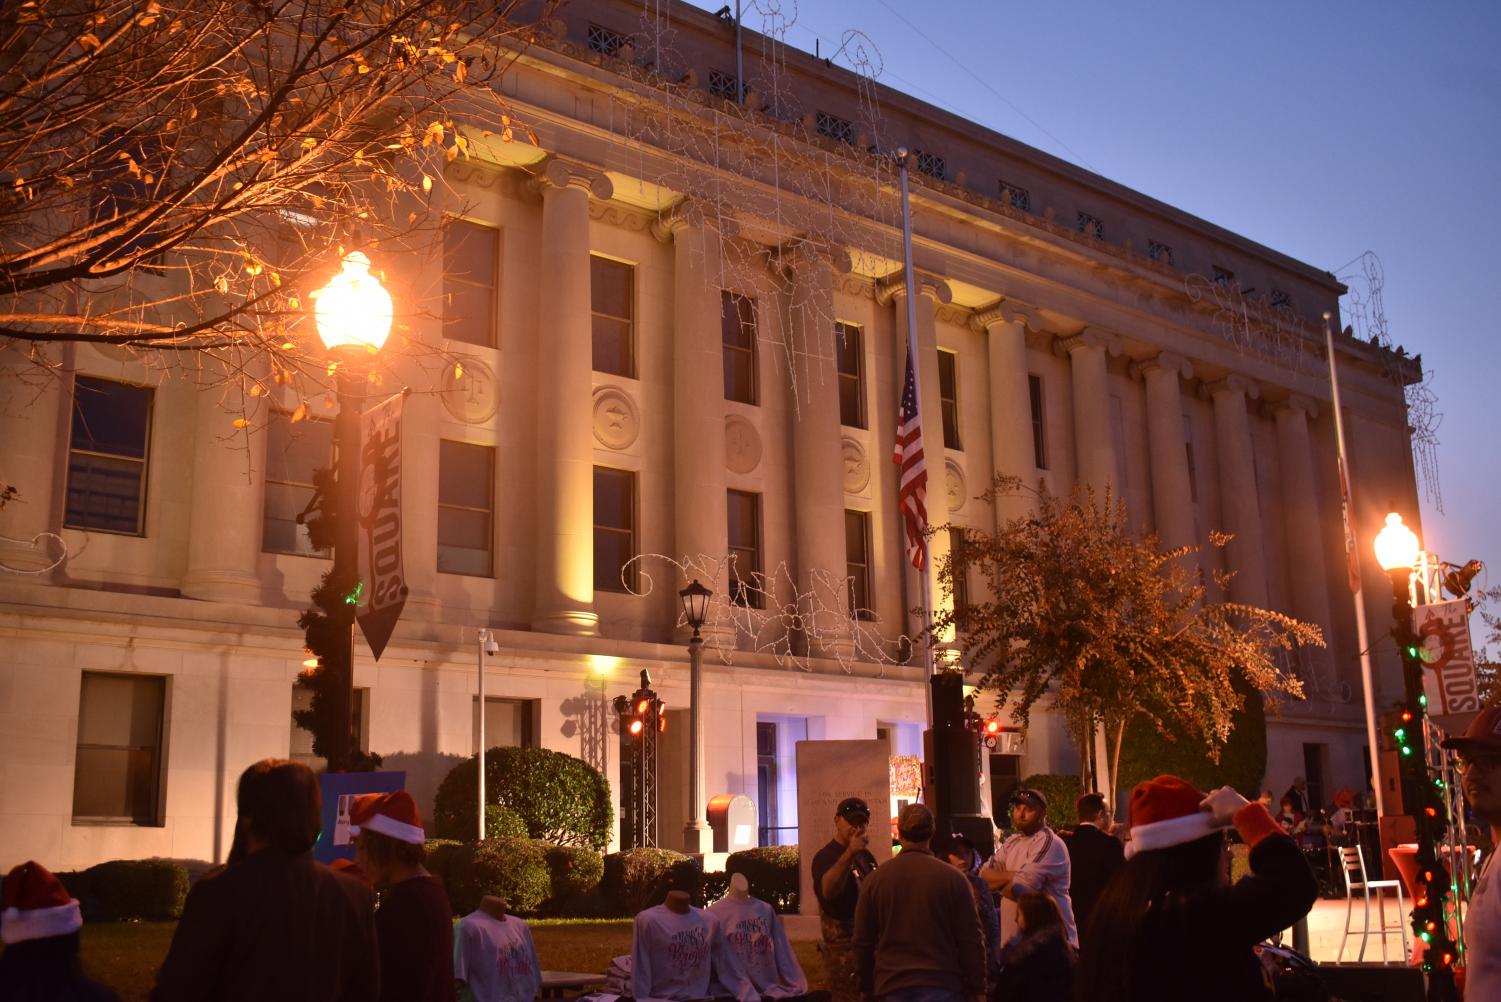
(177, 176)
(1112, 629)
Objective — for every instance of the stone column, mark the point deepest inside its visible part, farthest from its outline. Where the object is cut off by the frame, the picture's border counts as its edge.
(1306, 541)
(35, 412)
(419, 494)
(1240, 509)
(1011, 453)
(817, 451)
(565, 447)
(1094, 446)
(932, 292)
(229, 478)
(1172, 495)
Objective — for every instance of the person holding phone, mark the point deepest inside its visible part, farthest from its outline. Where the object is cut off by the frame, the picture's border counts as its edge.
(837, 871)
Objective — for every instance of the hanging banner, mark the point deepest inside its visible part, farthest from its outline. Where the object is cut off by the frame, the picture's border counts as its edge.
(381, 575)
(1443, 630)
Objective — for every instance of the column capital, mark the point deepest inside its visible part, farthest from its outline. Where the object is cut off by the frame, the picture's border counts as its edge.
(1089, 337)
(802, 253)
(1163, 361)
(935, 287)
(1233, 383)
(1295, 403)
(1005, 311)
(563, 172)
(673, 220)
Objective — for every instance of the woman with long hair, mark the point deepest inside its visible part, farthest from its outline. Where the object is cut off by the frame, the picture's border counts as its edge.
(1169, 925)
(1037, 966)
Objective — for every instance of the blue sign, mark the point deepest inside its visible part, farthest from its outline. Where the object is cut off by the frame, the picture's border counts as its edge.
(339, 790)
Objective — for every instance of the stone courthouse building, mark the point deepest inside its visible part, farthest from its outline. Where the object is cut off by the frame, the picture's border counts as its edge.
(678, 321)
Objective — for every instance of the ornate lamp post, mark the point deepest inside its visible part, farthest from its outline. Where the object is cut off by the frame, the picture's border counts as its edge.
(353, 315)
(696, 610)
(1398, 551)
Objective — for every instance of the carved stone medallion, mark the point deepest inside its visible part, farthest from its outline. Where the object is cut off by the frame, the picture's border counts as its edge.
(958, 491)
(617, 422)
(469, 391)
(856, 466)
(742, 445)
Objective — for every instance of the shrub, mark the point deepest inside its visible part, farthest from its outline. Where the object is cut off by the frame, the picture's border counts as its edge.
(1061, 792)
(514, 869)
(771, 871)
(502, 822)
(1149, 751)
(632, 878)
(573, 872)
(453, 863)
(716, 886)
(130, 889)
(559, 798)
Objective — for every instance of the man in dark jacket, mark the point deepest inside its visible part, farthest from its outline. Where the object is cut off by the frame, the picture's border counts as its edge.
(838, 869)
(916, 928)
(1094, 855)
(274, 923)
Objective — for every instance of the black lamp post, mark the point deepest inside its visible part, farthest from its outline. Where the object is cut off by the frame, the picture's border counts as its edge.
(696, 611)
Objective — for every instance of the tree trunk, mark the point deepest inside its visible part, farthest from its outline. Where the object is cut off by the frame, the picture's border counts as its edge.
(1115, 758)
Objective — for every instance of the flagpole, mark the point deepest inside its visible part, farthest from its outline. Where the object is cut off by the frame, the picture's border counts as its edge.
(924, 583)
(1352, 557)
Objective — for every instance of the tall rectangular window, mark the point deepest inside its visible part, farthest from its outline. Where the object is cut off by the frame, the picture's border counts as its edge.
(1039, 423)
(107, 456)
(612, 291)
(1193, 470)
(857, 562)
(957, 544)
(471, 273)
(850, 356)
(767, 781)
(948, 393)
(508, 723)
(293, 452)
(117, 774)
(744, 509)
(614, 529)
(466, 508)
(301, 744)
(737, 324)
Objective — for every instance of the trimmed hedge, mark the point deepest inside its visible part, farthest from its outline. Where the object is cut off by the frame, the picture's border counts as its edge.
(559, 798)
(515, 869)
(1062, 792)
(124, 889)
(632, 879)
(771, 871)
(502, 822)
(573, 872)
(531, 875)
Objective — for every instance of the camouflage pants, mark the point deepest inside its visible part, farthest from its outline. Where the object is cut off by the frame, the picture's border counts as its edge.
(838, 949)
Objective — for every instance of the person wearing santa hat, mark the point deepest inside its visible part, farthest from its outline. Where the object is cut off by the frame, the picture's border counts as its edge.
(39, 927)
(414, 923)
(1169, 926)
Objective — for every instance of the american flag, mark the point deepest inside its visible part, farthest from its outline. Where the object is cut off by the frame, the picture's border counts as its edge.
(912, 496)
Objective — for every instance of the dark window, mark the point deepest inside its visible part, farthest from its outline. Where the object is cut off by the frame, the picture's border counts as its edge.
(302, 740)
(508, 723)
(1223, 277)
(931, 164)
(108, 455)
(836, 128)
(293, 452)
(614, 529)
(471, 258)
(1160, 252)
(1039, 423)
(606, 41)
(466, 480)
(850, 355)
(1193, 472)
(957, 553)
(1019, 198)
(737, 322)
(117, 774)
(948, 393)
(745, 548)
(766, 782)
(722, 84)
(612, 291)
(1091, 225)
(1281, 300)
(857, 563)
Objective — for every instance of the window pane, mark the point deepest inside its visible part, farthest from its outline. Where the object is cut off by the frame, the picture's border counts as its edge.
(464, 474)
(738, 329)
(948, 390)
(614, 528)
(1039, 423)
(469, 313)
(470, 252)
(614, 498)
(847, 350)
(461, 559)
(854, 537)
(743, 528)
(117, 768)
(610, 286)
(471, 256)
(612, 351)
(111, 417)
(508, 723)
(294, 451)
(104, 493)
(613, 550)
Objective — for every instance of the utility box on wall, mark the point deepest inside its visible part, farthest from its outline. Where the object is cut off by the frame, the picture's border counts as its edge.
(732, 816)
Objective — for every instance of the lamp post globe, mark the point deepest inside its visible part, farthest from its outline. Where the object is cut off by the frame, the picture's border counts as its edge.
(353, 310)
(1397, 546)
(696, 604)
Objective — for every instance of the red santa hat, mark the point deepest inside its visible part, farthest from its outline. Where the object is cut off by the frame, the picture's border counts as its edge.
(37, 906)
(1165, 812)
(393, 814)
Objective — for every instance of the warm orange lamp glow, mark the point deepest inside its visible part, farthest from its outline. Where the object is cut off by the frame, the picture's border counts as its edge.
(1396, 545)
(353, 310)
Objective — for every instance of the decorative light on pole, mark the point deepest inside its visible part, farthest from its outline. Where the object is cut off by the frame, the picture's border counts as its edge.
(1398, 551)
(353, 316)
(696, 611)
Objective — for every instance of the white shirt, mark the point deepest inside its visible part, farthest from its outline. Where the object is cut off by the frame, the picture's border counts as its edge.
(673, 957)
(752, 929)
(1039, 862)
(496, 959)
(1483, 936)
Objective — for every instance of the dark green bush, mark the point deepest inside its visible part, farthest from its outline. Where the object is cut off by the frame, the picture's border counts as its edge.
(1061, 792)
(502, 822)
(771, 871)
(632, 878)
(519, 870)
(559, 798)
(1149, 751)
(514, 869)
(453, 863)
(130, 889)
(716, 886)
(573, 871)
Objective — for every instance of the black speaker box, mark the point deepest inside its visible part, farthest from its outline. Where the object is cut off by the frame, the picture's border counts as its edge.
(1373, 982)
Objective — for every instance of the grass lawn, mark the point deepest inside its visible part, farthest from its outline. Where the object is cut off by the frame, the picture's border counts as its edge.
(125, 955)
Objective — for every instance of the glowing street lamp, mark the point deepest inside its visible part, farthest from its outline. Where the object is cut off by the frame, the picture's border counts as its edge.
(1397, 546)
(695, 599)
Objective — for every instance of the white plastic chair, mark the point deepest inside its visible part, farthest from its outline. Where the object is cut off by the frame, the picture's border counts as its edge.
(1352, 862)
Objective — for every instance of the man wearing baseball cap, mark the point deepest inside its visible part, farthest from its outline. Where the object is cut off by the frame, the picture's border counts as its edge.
(837, 871)
(1480, 773)
(1034, 858)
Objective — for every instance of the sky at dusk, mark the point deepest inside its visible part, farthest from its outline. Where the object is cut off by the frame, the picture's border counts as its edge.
(1320, 130)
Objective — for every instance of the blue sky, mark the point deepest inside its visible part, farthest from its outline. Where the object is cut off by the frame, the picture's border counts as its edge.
(1323, 130)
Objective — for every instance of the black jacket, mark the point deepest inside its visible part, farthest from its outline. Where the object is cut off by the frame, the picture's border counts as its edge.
(274, 927)
(1038, 968)
(1093, 858)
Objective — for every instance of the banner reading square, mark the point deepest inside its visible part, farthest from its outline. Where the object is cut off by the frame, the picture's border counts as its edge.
(339, 790)
(380, 522)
